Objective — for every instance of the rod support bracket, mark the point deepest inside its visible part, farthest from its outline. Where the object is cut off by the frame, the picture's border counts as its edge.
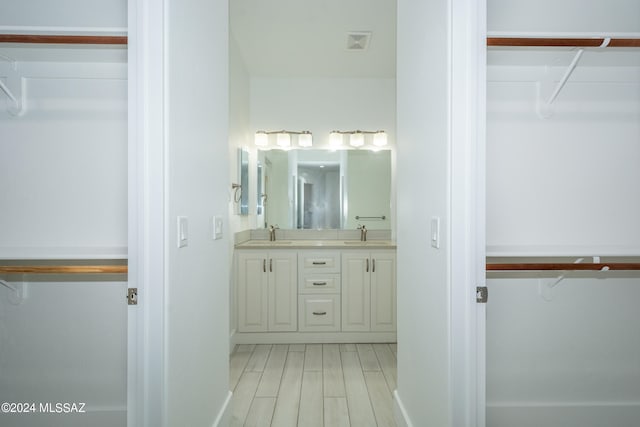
(17, 292)
(13, 85)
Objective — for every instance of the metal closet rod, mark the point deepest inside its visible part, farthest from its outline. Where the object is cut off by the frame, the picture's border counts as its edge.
(62, 39)
(620, 266)
(563, 42)
(63, 269)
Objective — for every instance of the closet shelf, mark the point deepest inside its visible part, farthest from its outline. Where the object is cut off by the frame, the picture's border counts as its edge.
(63, 269)
(63, 39)
(562, 42)
(619, 266)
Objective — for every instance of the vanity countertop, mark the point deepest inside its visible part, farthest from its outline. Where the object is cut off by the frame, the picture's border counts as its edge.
(316, 244)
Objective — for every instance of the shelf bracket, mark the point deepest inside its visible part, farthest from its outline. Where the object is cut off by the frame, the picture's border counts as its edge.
(18, 292)
(545, 107)
(13, 87)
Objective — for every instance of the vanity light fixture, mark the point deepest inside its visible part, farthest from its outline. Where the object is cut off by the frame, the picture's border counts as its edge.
(357, 137)
(283, 138)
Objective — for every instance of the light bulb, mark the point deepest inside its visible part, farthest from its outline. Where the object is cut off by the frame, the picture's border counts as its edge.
(335, 139)
(283, 140)
(262, 139)
(305, 139)
(380, 139)
(356, 139)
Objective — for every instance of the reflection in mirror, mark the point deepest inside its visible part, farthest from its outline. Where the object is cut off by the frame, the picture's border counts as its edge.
(323, 189)
(243, 169)
(260, 190)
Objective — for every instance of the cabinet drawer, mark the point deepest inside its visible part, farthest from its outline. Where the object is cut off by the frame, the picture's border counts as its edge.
(317, 261)
(319, 284)
(319, 313)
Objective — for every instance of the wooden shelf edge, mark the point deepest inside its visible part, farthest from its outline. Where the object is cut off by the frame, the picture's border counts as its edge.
(63, 39)
(64, 269)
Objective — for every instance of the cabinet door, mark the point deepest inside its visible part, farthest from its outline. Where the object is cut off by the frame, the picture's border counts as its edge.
(252, 291)
(283, 291)
(356, 295)
(383, 291)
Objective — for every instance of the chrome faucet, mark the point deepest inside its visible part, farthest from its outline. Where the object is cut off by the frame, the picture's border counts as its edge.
(363, 233)
(272, 232)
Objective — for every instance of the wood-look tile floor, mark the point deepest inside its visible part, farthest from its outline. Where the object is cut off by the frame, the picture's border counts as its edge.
(313, 385)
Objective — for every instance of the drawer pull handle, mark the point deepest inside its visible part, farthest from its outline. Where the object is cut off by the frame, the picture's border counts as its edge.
(319, 313)
(319, 283)
(319, 262)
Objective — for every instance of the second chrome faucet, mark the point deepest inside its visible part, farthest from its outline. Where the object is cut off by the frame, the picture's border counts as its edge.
(272, 232)
(363, 233)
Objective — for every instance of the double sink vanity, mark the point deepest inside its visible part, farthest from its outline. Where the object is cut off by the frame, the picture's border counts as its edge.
(315, 289)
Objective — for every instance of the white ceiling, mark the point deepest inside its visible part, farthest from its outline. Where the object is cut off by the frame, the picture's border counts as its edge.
(308, 38)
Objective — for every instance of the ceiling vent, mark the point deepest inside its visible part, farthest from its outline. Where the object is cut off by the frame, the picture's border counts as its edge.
(358, 40)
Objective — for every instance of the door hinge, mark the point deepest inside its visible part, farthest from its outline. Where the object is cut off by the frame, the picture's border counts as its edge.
(132, 296)
(482, 294)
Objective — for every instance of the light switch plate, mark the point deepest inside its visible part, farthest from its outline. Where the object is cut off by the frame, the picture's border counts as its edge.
(216, 222)
(435, 232)
(183, 231)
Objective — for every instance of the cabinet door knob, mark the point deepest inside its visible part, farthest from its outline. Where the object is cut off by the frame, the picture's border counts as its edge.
(319, 283)
(373, 269)
(271, 265)
(319, 263)
(319, 313)
(367, 268)
(264, 265)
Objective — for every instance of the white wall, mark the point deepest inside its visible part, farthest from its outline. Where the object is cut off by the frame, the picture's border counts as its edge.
(63, 180)
(65, 343)
(563, 16)
(197, 180)
(63, 168)
(569, 180)
(423, 285)
(65, 13)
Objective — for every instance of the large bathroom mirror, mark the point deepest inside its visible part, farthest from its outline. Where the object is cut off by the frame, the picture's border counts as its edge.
(315, 67)
(324, 189)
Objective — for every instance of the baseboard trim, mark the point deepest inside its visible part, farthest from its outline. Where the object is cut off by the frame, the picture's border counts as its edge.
(566, 414)
(224, 416)
(312, 337)
(399, 412)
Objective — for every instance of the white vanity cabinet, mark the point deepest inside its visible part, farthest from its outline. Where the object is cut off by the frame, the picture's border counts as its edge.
(368, 291)
(319, 291)
(267, 291)
(311, 291)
